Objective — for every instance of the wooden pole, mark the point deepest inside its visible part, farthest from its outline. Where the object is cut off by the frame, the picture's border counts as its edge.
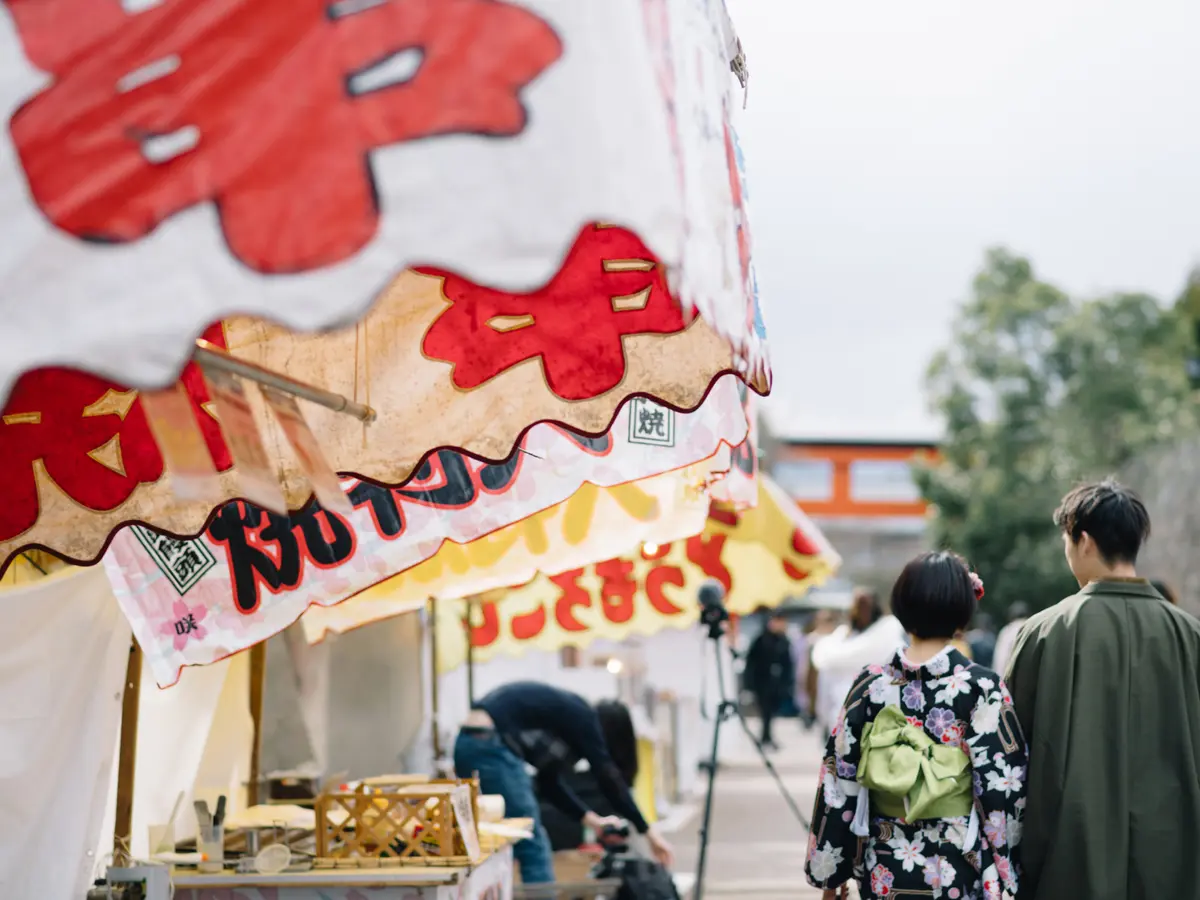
(127, 761)
(470, 624)
(431, 608)
(258, 678)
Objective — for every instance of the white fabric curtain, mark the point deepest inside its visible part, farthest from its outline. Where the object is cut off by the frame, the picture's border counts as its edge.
(61, 672)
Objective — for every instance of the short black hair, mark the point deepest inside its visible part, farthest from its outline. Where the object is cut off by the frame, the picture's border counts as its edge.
(620, 737)
(934, 596)
(1112, 514)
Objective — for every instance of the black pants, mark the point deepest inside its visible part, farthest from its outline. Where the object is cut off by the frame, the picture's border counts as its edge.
(767, 707)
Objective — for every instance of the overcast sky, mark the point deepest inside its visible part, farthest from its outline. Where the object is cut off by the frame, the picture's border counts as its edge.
(889, 143)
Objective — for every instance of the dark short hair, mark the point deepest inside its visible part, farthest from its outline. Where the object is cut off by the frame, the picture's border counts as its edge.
(619, 737)
(870, 599)
(1112, 514)
(934, 596)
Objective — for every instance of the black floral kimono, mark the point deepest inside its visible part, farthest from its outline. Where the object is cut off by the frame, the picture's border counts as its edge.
(948, 701)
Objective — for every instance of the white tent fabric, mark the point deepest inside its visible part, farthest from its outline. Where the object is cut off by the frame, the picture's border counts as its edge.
(67, 646)
(61, 685)
(194, 737)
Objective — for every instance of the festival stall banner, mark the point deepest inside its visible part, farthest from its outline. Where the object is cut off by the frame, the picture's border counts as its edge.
(168, 165)
(637, 594)
(777, 525)
(252, 573)
(446, 364)
(714, 183)
(738, 488)
(592, 524)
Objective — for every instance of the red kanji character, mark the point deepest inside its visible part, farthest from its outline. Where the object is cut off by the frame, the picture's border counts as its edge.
(804, 546)
(486, 632)
(527, 626)
(656, 580)
(795, 573)
(608, 288)
(723, 515)
(89, 436)
(267, 109)
(705, 552)
(617, 589)
(572, 595)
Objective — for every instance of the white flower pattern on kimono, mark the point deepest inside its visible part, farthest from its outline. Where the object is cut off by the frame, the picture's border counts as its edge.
(939, 665)
(883, 692)
(1007, 778)
(959, 682)
(938, 871)
(909, 853)
(844, 742)
(823, 863)
(985, 719)
(991, 884)
(835, 795)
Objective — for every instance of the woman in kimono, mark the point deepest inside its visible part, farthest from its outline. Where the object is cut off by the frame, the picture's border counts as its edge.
(922, 787)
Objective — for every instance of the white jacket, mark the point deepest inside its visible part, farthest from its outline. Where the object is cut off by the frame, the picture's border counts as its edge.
(839, 657)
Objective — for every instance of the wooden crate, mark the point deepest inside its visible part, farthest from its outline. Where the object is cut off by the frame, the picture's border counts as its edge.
(388, 823)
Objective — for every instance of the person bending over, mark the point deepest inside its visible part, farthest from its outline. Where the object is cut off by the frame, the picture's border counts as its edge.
(550, 729)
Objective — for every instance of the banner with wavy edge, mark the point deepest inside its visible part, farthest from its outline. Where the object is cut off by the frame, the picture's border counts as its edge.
(446, 363)
(761, 557)
(252, 573)
(289, 162)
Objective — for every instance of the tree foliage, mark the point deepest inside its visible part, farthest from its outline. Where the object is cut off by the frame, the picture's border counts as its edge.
(1039, 391)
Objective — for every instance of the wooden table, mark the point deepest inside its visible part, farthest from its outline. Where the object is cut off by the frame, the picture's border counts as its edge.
(490, 880)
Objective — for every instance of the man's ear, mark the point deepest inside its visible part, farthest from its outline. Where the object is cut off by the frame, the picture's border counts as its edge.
(1085, 543)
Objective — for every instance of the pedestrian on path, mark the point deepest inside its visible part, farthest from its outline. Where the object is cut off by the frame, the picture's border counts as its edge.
(871, 637)
(922, 787)
(770, 672)
(1018, 613)
(1106, 685)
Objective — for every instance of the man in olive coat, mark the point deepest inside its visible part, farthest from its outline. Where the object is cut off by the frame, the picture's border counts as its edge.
(1106, 685)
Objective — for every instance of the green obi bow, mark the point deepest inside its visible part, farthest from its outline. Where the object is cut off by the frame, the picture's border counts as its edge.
(911, 776)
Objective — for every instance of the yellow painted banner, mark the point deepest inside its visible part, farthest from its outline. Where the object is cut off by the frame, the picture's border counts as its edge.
(594, 523)
(648, 590)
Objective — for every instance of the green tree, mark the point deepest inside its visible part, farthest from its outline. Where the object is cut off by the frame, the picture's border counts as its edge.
(1039, 391)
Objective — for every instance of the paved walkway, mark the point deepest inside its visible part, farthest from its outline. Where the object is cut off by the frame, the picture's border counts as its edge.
(757, 848)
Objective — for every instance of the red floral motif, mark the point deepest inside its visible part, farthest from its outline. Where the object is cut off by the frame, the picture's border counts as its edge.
(267, 109)
(91, 438)
(186, 623)
(608, 288)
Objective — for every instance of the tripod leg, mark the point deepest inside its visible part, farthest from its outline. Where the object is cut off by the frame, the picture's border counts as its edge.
(710, 767)
(770, 766)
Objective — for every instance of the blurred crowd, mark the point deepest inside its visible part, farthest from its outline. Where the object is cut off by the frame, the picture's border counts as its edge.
(802, 665)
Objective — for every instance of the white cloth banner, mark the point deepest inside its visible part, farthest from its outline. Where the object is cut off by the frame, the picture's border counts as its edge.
(61, 673)
(252, 573)
(295, 178)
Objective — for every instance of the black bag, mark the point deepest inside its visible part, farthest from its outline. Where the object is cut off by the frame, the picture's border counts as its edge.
(641, 879)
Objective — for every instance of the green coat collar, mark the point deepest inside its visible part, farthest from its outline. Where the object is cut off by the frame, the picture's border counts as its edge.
(1128, 587)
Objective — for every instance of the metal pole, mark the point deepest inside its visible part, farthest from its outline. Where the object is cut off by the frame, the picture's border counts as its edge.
(211, 356)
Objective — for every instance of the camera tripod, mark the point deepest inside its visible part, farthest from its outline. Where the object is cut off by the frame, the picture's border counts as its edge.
(714, 616)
